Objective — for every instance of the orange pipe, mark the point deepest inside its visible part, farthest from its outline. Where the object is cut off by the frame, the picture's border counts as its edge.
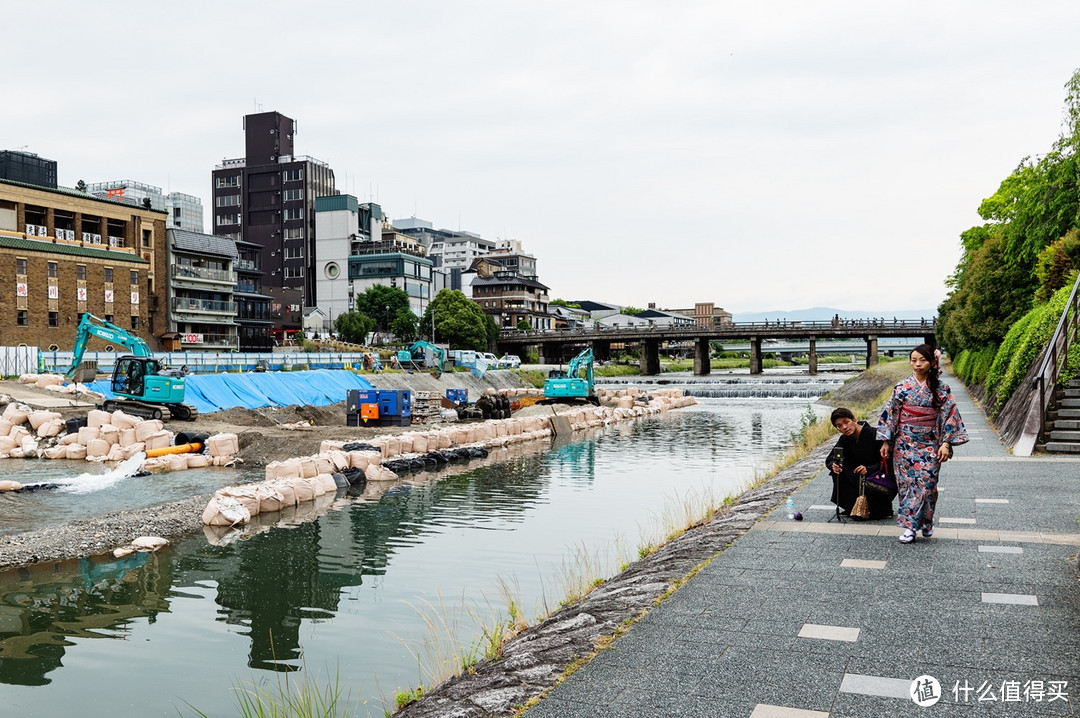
(181, 449)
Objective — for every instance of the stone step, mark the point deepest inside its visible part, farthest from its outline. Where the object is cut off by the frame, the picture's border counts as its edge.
(1067, 424)
(1065, 436)
(1071, 393)
(1062, 447)
(1074, 383)
(1068, 414)
(1069, 403)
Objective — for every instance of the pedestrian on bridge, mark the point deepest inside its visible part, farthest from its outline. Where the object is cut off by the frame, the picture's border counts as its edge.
(920, 424)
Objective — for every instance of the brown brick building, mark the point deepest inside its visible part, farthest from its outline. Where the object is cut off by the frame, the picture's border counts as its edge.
(63, 253)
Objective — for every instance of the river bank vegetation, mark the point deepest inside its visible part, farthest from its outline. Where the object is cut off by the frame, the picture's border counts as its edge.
(1012, 283)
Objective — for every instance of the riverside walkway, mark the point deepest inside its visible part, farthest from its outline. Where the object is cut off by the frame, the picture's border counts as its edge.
(813, 619)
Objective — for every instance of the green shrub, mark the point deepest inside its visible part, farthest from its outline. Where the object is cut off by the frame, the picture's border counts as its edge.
(1022, 346)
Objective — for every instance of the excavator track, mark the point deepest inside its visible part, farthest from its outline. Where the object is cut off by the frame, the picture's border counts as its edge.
(180, 412)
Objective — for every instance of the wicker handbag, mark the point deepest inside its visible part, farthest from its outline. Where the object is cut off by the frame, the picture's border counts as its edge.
(861, 509)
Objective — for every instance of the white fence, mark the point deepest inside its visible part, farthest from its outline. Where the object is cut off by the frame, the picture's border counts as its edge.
(18, 360)
(58, 362)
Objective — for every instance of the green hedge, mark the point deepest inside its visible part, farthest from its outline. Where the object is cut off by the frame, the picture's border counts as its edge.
(973, 366)
(1022, 345)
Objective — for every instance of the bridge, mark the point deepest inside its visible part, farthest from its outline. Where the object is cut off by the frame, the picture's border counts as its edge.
(558, 345)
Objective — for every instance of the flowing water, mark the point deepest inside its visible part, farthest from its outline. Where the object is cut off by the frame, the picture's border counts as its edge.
(351, 594)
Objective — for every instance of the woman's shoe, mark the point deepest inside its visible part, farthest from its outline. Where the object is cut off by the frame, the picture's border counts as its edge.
(928, 532)
(907, 537)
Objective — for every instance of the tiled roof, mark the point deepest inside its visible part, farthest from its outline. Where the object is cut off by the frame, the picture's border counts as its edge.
(510, 280)
(36, 245)
(203, 243)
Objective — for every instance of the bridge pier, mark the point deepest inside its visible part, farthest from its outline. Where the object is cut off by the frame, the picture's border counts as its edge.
(813, 355)
(601, 350)
(702, 357)
(755, 355)
(551, 353)
(871, 351)
(650, 357)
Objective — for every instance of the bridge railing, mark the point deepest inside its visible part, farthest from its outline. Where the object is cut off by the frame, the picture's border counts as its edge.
(916, 326)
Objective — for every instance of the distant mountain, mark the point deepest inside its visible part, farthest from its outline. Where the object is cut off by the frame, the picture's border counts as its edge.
(824, 314)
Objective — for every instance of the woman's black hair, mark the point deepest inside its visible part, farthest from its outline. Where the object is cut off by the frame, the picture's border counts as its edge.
(932, 376)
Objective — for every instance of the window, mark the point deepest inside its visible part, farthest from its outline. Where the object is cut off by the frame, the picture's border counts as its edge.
(233, 181)
(135, 321)
(109, 318)
(294, 252)
(20, 266)
(108, 274)
(52, 269)
(21, 317)
(291, 272)
(294, 213)
(228, 200)
(80, 272)
(54, 319)
(291, 195)
(134, 277)
(228, 219)
(292, 175)
(147, 236)
(294, 233)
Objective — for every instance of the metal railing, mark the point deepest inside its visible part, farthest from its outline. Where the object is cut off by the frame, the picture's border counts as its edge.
(186, 304)
(216, 275)
(1055, 359)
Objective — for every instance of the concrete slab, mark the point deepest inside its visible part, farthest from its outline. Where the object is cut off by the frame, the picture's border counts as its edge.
(1019, 599)
(863, 563)
(882, 686)
(829, 633)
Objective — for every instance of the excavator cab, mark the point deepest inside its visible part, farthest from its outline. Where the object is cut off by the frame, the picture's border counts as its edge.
(139, 378)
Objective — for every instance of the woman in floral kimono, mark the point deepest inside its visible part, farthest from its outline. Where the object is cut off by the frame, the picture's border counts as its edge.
(922, 424)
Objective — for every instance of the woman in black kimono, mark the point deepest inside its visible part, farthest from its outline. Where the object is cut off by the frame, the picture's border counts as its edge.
(861, 452)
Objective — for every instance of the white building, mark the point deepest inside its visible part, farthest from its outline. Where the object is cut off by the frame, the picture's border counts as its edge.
(185, 210)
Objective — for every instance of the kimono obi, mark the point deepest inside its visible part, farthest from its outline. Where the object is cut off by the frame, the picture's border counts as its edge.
(918, 415)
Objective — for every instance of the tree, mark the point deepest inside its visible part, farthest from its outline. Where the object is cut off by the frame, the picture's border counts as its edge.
(404, 326)
(563, 303)
(354, 327)
(523, 325)
(459, 321)
(492, 327)
(631, 311)
(382, 303)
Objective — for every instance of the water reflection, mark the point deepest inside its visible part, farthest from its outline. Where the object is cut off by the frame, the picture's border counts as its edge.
(43, 608)
(329, 590)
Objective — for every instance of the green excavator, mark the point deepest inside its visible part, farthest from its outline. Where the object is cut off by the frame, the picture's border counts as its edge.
(141, 385)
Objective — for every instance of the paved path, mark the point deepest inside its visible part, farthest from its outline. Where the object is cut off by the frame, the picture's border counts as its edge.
(813, 619)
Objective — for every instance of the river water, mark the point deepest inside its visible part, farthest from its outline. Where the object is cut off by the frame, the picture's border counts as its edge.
(355, 594)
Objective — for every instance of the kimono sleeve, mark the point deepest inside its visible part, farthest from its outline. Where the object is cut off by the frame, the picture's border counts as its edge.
(889, 421)
(950, 424)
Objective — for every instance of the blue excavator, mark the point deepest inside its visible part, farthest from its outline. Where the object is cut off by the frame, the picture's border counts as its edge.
(416, 356)
(574, 384)
(141, 385)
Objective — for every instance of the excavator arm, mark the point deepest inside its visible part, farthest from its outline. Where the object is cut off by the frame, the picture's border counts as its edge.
(91, 326)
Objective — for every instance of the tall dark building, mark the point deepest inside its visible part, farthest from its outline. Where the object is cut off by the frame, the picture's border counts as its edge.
(267, 198)
(27, 168)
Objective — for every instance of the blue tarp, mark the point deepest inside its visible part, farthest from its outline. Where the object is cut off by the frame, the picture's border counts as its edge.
(213, 392)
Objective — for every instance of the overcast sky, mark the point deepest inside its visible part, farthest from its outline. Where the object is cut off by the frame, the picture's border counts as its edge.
(760, 155)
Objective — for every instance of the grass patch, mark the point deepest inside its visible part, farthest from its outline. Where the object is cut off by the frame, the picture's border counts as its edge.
(532, 377)
(292, 695)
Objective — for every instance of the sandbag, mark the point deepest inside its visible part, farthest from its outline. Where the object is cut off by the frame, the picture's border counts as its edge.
(328, 483)
(157, 440)
(145, 428)
(97, 447)
(39, 417)
(122, 420)
(270, 498)
(223, 445)
(176, 462)
(14, 414)
(6, 485)
(246, 495)
(305, 490)
(197, 461)
(149, 543)
(76, 451)
(110, 434)
(225, 511)
(97, 417)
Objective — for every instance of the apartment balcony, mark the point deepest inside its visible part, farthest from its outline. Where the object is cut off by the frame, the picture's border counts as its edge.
(247, 264)
(202, 274)
(187, 305)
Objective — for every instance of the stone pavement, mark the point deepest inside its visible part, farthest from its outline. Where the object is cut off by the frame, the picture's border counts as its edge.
(813, 619)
